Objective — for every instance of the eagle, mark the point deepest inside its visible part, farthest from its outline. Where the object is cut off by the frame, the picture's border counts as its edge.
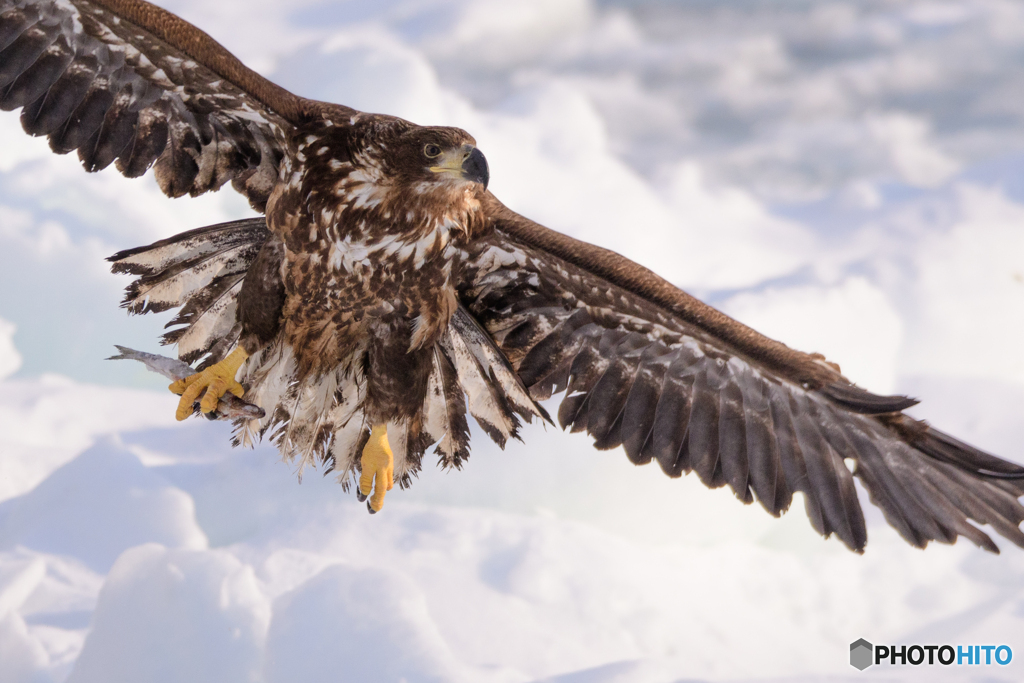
(383, 295)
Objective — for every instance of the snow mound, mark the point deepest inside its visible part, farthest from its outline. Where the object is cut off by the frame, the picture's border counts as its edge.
(163, 555)
(127, 504)
(175, 615)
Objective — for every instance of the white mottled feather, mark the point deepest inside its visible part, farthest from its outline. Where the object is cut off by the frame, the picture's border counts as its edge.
(349, 428)
(177, 289)
(212, 324)
(435, 409)
(398, 439)
(313, 404)
(484, 403)
(268, 374)
(488, 356)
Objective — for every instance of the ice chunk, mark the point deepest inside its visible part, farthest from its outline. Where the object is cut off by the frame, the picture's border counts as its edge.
(98, 505)
(371, 624)
(21, 657)
(175, 615)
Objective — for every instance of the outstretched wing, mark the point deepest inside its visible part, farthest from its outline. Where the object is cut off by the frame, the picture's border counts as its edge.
(648, 367)
(127, 83)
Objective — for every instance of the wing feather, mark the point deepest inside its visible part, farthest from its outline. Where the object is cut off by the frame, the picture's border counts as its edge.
(767, 479)
(642, 402)
(668, 442)
(829, 479)
(609, 395)
(732, 435)
(202, 271)
(124, 82)
(644, 365)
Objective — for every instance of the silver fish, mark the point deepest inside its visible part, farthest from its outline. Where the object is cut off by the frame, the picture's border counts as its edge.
(229, 407)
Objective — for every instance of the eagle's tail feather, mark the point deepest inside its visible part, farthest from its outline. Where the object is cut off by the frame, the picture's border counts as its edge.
(268, 373)
(444, 412)
(313, 420)
(497, 397)
(320, 420)
(300, 412)
(305, 437)
(408, 444)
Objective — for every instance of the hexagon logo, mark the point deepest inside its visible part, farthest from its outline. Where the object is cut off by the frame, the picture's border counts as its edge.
(861, 654)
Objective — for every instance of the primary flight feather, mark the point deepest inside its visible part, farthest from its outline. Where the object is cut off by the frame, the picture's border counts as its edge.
(385, 294)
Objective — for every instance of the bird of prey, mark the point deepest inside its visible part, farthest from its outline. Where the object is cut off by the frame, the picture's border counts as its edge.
(384, 294)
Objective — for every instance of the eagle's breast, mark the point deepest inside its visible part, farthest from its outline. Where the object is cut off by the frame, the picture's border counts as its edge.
(369, 259)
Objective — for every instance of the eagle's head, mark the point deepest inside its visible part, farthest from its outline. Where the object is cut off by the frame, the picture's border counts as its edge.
(384, 175)
(416, 178)
(429, 159)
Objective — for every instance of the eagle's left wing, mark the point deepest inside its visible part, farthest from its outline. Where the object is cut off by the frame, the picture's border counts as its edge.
(125, 82)
(647, 367)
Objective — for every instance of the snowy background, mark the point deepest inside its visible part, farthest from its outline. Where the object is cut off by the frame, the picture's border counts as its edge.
(846, 177)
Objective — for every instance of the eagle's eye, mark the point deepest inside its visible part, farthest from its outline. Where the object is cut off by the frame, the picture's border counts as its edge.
(432, 151)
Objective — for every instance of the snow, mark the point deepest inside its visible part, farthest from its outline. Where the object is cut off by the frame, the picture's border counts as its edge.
(843, 177)
(175, 615)
(128, 505)
(350, 612)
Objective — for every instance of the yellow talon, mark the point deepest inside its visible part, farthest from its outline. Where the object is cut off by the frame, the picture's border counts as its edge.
(378, 462)
(216, 380)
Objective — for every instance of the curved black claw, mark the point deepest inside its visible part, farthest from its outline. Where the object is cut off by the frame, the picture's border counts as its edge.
(212, 415)
(370, 509)
(360, 495)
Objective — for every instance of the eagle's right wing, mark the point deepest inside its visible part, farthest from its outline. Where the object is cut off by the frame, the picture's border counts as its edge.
(125, 82)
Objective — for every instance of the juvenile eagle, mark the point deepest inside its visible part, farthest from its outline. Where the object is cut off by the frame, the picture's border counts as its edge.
(385, 293)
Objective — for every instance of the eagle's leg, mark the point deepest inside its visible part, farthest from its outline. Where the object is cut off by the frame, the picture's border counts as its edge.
(215, 380)
(378, 462)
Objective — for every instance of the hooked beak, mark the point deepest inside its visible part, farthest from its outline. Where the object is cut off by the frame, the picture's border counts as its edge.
(467, 162)
(475, 168)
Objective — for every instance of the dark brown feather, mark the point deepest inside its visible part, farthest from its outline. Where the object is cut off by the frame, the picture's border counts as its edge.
(767, 478)
(175, 98)
(642, 402)
(686, 397)
(608, 397)
(34, 81)
(732, 437)
(116, 133)
(56, 106)
(22, 53)
(146, 146)
(261, 299)
(84, 122)
(14, 22)
(669, 440)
